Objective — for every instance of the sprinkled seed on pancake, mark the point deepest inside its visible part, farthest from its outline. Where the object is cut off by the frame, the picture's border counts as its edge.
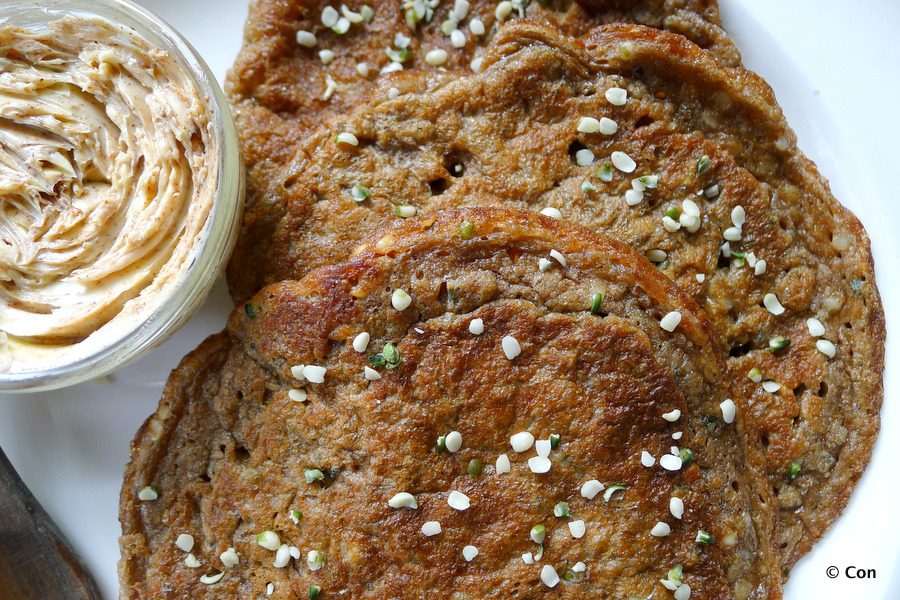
(306, 39)
(348, 138)
(671, 321)
(588, 125)
(773, 305)
(453, 441)
(458, 501)
(611, 490)
(676, 507)
(623, 162)
(616, 96)
(511, 349)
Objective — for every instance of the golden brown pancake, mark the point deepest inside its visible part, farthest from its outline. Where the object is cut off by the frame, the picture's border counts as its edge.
(791, 296)
(282, 91)
(232, 452)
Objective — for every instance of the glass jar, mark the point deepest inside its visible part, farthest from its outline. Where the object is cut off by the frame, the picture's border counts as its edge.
(183, 295)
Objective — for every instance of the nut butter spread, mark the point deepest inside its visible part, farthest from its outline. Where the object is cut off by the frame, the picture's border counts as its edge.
(107, 177)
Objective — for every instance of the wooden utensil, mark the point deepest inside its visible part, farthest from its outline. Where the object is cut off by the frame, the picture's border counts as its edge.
(36, 561)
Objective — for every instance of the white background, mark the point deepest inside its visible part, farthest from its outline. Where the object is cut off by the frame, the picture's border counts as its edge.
(835, 67)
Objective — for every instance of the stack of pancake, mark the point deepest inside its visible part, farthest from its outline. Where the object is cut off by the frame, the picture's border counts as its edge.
(533, 299)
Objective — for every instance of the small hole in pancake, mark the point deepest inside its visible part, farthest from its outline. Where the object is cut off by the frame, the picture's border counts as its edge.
(764, 439)
(823, 389)
(800, 390)
(267, 396)
(644, 121)
(574, 147)
(205, 477)
(241, 453)
(289, 182)
(735, 486)
(739, 350)
(455, 162)
(438, 186)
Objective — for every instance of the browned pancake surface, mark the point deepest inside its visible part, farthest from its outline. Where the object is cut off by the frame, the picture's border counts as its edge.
(713, 136)
(228, 449)
(281, 93)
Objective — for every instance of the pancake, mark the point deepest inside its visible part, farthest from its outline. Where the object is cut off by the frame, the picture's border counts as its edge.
(279, 88)
(280, 81)
(232, 451)
(277, 84)
(720, 147)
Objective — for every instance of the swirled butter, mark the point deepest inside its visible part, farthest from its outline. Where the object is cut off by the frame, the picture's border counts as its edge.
(108, 172)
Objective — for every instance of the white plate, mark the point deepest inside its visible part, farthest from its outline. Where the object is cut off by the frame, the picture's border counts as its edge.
(835, 71)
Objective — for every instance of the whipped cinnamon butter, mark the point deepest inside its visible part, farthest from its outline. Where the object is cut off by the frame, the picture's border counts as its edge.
(108, 171)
